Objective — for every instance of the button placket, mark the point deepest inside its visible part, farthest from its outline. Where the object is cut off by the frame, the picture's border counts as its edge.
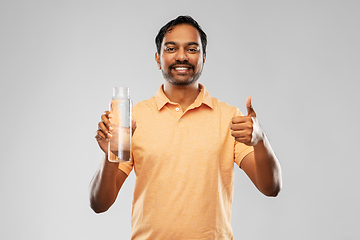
(179, 113)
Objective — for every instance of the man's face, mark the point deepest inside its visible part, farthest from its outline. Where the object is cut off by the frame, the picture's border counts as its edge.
(181, 57)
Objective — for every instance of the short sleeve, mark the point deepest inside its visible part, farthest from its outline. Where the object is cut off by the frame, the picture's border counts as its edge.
(127, 167)
(241, 151)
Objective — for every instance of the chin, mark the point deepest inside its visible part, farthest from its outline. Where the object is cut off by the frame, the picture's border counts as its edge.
(182, 83)
(186, 81)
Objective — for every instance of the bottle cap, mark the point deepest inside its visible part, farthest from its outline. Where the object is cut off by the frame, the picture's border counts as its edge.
(121, 92)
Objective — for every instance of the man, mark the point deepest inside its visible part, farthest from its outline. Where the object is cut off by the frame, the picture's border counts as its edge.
(184, 149)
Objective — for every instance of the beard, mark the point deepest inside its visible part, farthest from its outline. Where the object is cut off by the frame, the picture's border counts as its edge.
(169, 77)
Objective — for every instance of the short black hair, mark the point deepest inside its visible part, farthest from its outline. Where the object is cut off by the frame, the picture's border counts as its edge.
(180, 20)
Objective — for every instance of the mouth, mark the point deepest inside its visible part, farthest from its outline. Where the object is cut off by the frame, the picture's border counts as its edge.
(182, 68)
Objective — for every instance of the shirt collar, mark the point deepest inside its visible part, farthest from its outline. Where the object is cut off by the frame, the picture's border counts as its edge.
(203, 98)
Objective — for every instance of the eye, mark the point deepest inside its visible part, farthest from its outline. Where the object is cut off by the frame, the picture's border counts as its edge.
(169, 49)
(193, 50)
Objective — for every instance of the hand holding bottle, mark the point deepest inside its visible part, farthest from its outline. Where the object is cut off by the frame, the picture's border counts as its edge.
(106, 130)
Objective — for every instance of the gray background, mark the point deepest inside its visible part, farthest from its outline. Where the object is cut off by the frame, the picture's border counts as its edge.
(59, 60)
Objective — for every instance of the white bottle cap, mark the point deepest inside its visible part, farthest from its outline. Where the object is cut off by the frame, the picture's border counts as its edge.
(121, 92)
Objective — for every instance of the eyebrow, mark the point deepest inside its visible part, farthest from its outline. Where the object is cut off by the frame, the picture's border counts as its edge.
(187, 44)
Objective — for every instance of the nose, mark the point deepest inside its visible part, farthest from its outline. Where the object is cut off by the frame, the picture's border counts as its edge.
(181, 56)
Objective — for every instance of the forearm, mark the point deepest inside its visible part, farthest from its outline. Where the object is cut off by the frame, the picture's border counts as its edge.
(268, 170)
(103, 189)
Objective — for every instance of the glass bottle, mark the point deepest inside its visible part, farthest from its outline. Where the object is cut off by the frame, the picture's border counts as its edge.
(121, 110)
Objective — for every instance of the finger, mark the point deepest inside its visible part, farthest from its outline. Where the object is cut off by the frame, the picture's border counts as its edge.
(249, 107)
(100, 135)
(104, 129)
(133, 125)
(246, 133)
(106, 121)
(243, 136)
(239, 119)
(108, 114)
(241, 126)
(245, 139)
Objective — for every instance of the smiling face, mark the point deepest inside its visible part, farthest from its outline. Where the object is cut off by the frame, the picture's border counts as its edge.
(181, 57)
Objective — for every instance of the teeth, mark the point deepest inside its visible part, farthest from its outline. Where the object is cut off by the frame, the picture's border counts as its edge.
(181, 68)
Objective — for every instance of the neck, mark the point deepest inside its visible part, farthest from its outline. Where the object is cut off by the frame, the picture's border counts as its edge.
(183, 95)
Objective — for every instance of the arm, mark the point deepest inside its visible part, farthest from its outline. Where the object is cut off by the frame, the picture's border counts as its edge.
(262, 166)
(105, 185)
(108, 179)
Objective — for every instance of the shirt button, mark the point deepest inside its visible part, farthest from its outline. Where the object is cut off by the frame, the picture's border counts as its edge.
(177, 109)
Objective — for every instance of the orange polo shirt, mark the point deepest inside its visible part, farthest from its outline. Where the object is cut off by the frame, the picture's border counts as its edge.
(184, 166)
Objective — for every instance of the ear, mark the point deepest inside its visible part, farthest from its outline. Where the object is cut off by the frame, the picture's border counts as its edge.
(157, 59)
(204, 58)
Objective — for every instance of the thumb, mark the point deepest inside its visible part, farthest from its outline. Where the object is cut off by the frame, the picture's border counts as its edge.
(133, 126)
(249, 107)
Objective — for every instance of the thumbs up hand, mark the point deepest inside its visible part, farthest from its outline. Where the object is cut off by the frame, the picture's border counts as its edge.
(246, 129)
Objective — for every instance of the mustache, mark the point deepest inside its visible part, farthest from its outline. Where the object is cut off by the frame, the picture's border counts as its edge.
(186, 63)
